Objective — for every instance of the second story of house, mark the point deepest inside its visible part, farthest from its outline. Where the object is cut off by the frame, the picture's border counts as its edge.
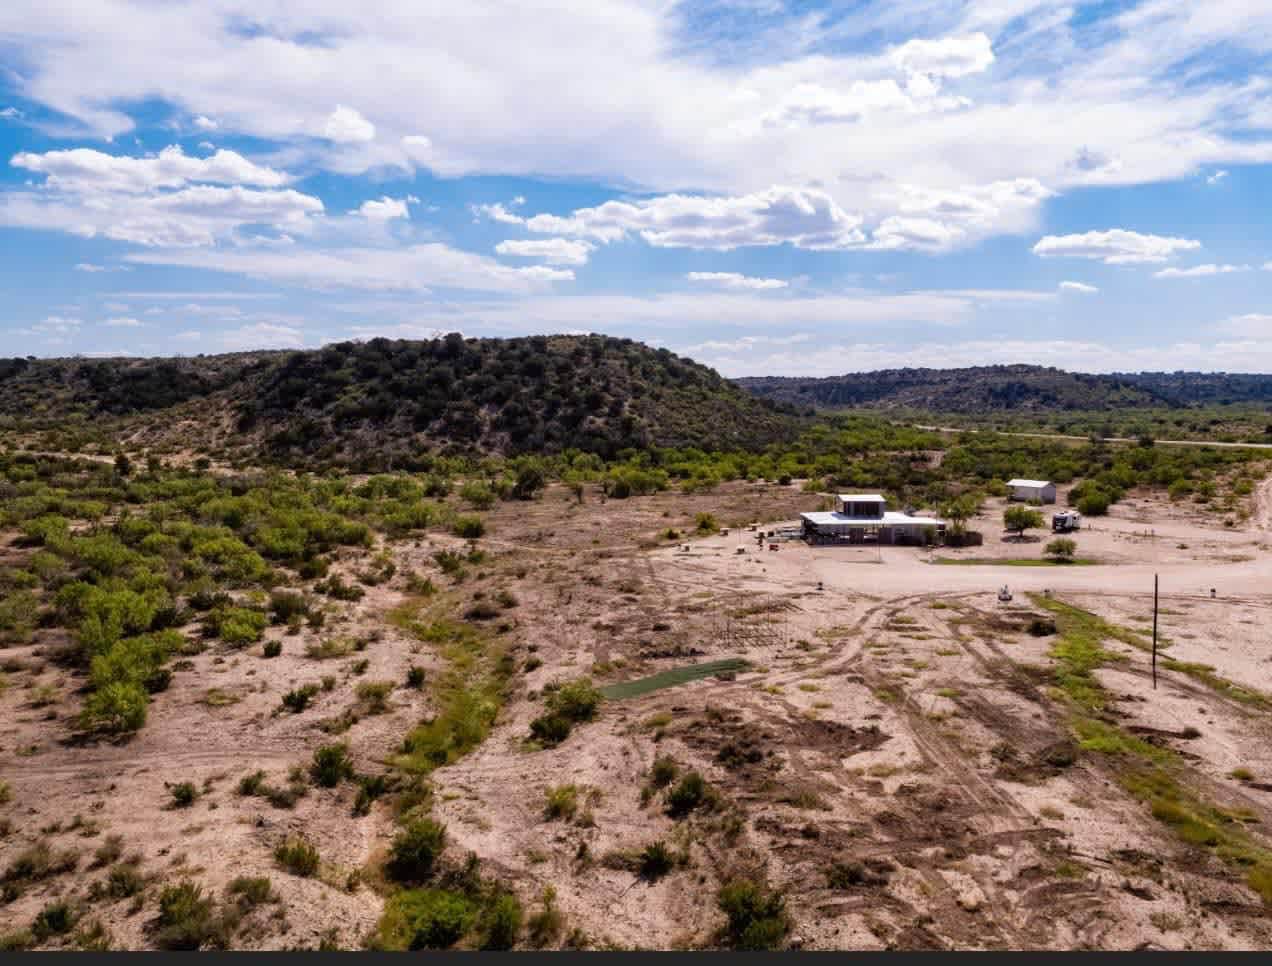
(862, 506)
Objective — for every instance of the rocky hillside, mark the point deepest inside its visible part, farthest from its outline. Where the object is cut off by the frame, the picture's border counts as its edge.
(379, 401)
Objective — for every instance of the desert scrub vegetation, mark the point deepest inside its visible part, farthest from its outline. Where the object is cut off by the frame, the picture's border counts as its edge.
(468, 691)
(756, 916)
(566, 704)
(298, 857)
(1155, 775)
(127, 562)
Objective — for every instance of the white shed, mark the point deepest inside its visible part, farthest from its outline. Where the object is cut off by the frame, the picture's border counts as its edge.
(1030, 491)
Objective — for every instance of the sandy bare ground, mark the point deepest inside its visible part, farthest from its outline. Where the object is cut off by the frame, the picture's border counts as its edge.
(895, 719)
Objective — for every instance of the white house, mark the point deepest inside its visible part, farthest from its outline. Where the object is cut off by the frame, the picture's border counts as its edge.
(864, 517)
(1032, 491)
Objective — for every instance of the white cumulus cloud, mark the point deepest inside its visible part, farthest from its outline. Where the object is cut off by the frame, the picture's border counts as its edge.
(84, 169)
(1116, 246)
(556, 251)
(803, 217)
(1200, 271)
(385, 209)
(736, 280)
(346, 126)
(1081, 287)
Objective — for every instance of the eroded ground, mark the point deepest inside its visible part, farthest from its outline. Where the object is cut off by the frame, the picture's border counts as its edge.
(900, 756)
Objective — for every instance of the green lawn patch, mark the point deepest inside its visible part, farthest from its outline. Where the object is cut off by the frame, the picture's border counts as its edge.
(671, 678)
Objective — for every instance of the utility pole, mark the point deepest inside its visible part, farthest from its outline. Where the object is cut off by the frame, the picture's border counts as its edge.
(1154, 632)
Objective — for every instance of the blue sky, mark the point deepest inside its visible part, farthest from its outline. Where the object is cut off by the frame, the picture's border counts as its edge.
(766, 186)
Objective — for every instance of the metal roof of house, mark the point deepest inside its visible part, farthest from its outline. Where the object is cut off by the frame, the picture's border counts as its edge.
(890, 518)
(861, 498)
(1033, 484)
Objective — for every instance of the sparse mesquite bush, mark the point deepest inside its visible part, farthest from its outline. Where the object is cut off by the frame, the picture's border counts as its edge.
(297, 699)
(331, 765)
(562, 802)
(690, 793)
(187, 918)
(567, 705)
(183, 794)
(251, 891)
(469, 527)
(272, 649)
(656, 861)
(705, 523)
(1061, 549)
(298, 857)
(251, 784)
(416, 849)
(415, 677)
(439, 918)
(663, 771)
(501, 922)
(757, 917)
(56, 918)
(1019, 518)
(124, 881)
(477, 495)
(117, 708)
(286, 604)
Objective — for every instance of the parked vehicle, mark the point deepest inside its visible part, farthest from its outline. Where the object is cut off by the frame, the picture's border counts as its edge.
(1066, 521)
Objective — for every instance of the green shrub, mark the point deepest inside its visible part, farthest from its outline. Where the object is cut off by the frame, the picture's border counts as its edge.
(183, 794)
(124, 881)
(477, 494)
(374, 696)
(690, 793)
(297, 699)
(272, 649)
(575, 700)
(656, 861)
(550, 729)
(415, 677)
(501, 922)
(663, 771)
(54, 919)
(546, 924)
(757, 918)
(469, 527)
(250, 784)
(331, 765)
(298, 857)
(416, 849)
(117, 708)
(251, 891)
(239, 626)
(1019, 518)
(187, 918)
(439, 918)
(705, 523)
(287, 604)
(1061, 549)
(1095, 503)
(562, 802)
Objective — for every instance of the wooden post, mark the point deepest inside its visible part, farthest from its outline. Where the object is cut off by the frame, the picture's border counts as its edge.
(1154, 632)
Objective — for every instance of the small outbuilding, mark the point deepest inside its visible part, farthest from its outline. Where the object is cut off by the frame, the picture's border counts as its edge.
(1032, 491)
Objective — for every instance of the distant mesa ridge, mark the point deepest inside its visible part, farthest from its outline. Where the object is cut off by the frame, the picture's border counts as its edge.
(1010, 388)
(387, 403)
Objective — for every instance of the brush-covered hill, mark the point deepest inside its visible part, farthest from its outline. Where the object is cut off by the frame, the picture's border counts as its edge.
(1018, 388)
(380, 402)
